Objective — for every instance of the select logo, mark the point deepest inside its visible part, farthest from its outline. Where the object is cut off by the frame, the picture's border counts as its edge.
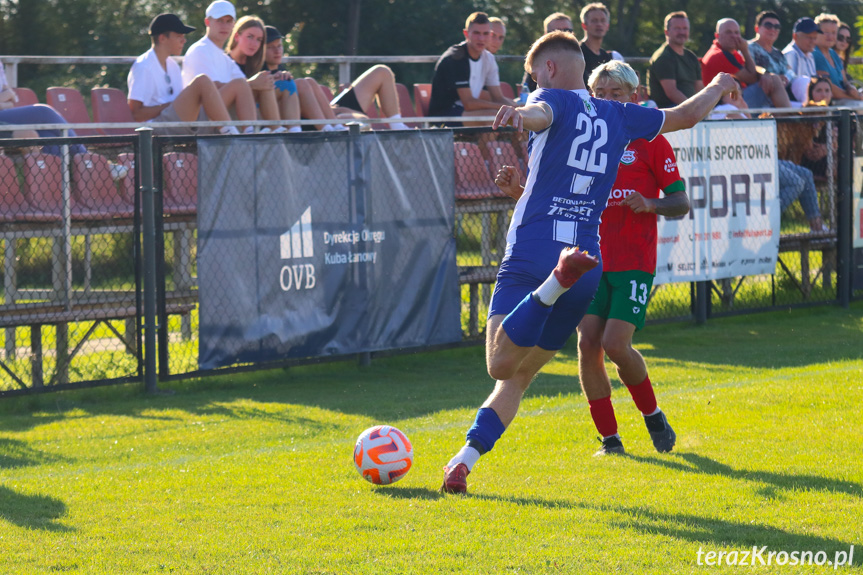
(294, 244)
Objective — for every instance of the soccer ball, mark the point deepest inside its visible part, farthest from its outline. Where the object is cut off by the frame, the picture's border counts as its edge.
(383, 454)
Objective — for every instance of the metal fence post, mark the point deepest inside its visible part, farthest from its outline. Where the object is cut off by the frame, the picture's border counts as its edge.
(702, 292)
(844, 264)
(145, 147)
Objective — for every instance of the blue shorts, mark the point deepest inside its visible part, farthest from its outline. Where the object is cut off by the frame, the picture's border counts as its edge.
(525, 270)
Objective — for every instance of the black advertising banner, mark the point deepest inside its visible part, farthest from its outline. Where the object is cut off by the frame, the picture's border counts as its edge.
(325, 245)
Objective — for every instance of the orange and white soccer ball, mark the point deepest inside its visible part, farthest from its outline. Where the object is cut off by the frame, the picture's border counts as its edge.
(383, 454)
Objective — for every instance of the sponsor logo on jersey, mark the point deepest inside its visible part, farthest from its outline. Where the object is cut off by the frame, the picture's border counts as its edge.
(670, 165)
(629, 158)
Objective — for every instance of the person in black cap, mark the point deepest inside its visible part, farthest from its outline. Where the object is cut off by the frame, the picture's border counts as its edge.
(313, 104)
(155, 84)
(799, 55)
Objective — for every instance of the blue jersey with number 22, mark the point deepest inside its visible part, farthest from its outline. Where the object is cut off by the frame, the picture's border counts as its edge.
(573, 165)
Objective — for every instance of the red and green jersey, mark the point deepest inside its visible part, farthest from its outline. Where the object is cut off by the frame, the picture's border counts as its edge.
(628, 240)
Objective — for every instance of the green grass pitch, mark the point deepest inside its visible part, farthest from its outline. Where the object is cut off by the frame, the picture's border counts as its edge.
(253, 473)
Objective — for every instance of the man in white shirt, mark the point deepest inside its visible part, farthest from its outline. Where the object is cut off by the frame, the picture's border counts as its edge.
(155, 84)
(207, 57)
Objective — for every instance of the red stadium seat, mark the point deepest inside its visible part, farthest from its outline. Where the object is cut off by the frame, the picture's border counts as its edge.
(503, 154)
(507, 91)
(472, 179)
(109, 105)
(94, 193)
(69, 103)
(406, 108)
(422, 96)
(127, 184)
(14, 206)
(26, 97)
(43, 182)
(180, 174)
(328, 94)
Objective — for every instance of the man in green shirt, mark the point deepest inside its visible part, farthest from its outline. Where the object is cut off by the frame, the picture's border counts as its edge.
(674, 73)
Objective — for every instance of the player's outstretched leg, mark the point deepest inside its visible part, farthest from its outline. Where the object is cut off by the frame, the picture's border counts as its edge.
(492, 418)
(596, 384)
(524, 324)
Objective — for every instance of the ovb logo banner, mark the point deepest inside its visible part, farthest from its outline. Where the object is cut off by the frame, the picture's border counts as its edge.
(325, 246)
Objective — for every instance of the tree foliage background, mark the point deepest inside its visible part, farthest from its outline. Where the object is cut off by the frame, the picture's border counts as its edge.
(386, 27)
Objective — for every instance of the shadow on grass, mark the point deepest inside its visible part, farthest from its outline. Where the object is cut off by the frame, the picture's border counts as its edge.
(424, 383)
(32, 511)
(770, 340)
(704, 465)
(395, 492)
(391, 389)
(710, 531)
(15, 453)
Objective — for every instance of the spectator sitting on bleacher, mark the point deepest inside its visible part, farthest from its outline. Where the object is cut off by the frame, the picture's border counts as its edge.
(378, 82)
(313, 104)
(827, 63)
(462, 72)
(769, 57)
(730, 53)
(798, 54)
(595, 20)
(815, 150)
(155, 83)
(205, 57)
(497, 36)
(844, 48)
(37, 114)
(796, 183)
(552, 22)
(246, 48)
(674, 73)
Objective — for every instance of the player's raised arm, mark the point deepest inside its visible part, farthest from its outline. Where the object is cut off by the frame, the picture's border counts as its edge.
(533, 117)
(697, 107)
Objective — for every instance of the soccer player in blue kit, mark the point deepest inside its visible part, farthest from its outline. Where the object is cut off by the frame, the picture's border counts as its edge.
(551, 267)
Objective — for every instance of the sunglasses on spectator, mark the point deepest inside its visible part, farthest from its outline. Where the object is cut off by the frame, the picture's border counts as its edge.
(170, 88)
(771, 26)
(570, 30)
(841, 38)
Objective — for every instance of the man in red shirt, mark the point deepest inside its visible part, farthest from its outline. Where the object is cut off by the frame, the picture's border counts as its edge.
(730, 53)
(628, 245)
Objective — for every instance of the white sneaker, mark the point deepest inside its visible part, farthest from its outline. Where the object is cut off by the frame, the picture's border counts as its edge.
(280, 130)
(265, 130)
(118, 171)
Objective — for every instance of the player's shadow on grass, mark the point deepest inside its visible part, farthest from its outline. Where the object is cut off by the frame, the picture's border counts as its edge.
(695, 463)
(706, 530)
(32, 511)
(15, 453)
(396, 492)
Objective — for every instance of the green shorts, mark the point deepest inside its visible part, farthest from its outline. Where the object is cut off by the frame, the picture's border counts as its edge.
(623, 296)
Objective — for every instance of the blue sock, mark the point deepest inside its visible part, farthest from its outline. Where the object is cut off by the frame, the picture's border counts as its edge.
(524, 324)
(487, 429)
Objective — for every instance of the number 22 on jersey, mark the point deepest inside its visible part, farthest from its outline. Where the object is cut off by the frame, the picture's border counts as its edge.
(585, 153)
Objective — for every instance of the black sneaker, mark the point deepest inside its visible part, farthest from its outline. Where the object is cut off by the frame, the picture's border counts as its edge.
(610, 446)
(660, 431)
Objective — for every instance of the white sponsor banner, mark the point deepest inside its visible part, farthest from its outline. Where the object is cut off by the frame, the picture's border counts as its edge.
(857, 202)
(732, 229)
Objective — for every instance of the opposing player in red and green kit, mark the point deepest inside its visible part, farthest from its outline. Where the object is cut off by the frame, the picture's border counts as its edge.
(628, 247)
(628, 244)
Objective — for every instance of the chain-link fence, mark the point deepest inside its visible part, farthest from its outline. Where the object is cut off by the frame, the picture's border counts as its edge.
(70, 305)
(71, 310)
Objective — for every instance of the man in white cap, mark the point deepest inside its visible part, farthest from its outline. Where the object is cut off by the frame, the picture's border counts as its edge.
(156, 90)
(206, 56)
